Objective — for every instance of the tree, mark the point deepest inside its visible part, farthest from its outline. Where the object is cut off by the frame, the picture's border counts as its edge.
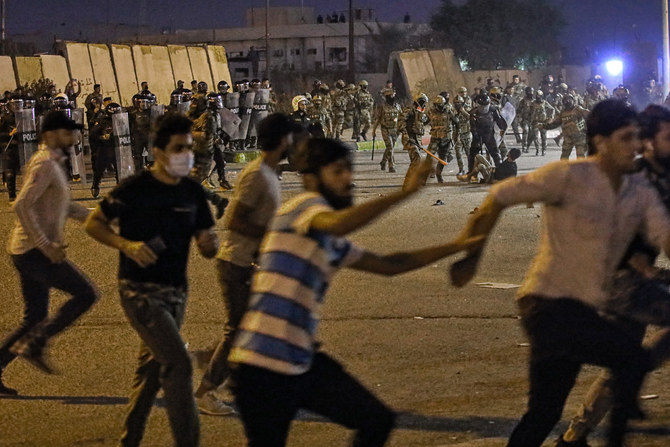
(494, 34)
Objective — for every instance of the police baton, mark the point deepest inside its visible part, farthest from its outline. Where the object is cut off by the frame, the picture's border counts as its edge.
(9, 142)
(374, 138)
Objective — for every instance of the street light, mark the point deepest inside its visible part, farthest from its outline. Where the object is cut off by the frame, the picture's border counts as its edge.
(614, 67)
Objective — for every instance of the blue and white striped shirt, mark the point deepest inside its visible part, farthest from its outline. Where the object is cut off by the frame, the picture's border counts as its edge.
(296, 265)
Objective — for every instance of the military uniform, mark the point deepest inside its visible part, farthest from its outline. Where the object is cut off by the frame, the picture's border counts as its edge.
(387, 117)
(350, 112)
(319, 115)
(412, 128)
(573, 127)
(460, 120)
(340, 101)
(524, 114)
(205, 126)
(364, 104)
(541, 112)
(441, 138)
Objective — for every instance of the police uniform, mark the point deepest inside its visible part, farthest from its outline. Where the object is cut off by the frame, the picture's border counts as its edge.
(140, 126)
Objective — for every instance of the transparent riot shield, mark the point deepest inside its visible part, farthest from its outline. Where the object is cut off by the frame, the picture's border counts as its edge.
(183, 107)
(246, 106)
(26, 134)
(508, 113)
(122, 147)
(157, 111)
(230, 122)
(77, 151)
(260, 109)
(232, 104)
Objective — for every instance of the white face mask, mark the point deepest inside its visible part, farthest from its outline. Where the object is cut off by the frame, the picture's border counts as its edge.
(180, 164)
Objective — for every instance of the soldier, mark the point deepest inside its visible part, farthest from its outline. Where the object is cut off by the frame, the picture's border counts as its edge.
(321, 125)
(524, 114)
(10, 146)
(517, 87)
(316, 87)
(441, 134)
(350, 113)
(386, 117)
(364, 105)
(622, 94)
(411, 125)
(593, 94)
(461, 123)
(139, 120)
(482, 120)
(90, 101)
(572, 119)
(206, 130)
(540, 113)
(463, 93)
(102, 138)
(340, 101)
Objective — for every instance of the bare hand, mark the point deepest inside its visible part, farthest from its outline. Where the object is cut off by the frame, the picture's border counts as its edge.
(55, 252)
(139, 252)
(208, 243)
(418, 175)
(463, 271)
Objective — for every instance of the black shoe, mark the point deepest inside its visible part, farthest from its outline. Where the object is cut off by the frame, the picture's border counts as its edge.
(224, 184)
(365, 138)
(221, 207)
(7, 391)
(391, 170)
(95, 191)
(579, 443)
(31, 349)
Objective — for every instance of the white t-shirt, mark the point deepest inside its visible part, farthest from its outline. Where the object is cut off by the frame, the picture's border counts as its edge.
(258, 188)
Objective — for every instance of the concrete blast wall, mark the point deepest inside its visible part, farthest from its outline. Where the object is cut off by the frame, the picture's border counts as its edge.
(55, 68)
(200, 66)
(219, 65)
(79, 64)
(181, 65)
(125, 73)
(7, 76)
(103, 71)
(28, 69)
(152, 64)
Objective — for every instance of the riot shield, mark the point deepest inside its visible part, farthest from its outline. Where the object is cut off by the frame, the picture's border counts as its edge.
(26, 134)
(260, 109)
(230, 122)
(122, 149)
(508, 113)
(77, 151)
(232, 104)
(246, 106)
(183, 107)
(157, 111)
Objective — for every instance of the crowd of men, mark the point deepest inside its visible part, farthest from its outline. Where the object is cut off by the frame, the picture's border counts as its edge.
(587, 299)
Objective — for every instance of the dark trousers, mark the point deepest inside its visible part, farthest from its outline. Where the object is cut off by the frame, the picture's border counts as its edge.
(11, 167)
(38, 275)
(235, 282)
(564, 334)
(219, 163)
(269, 401)
(480, 139)
(105, 157)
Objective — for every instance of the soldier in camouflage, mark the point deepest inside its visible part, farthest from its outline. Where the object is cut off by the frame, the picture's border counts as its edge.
(364, 104)
(467, 101)
(340, 101)
(572, 120)
(411, 125)
(460, 120)
(386, 117)
(541, 112)
(351, 113)
(441, 142)
(319, 117)
(523, 111)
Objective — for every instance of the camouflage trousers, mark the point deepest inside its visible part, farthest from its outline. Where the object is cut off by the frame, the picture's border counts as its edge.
(390, 136)
(338, 123)
(462, 146)
(577, 141)
(364, 120)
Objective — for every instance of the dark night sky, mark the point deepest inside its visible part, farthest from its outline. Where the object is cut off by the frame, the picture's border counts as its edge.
(602, 25)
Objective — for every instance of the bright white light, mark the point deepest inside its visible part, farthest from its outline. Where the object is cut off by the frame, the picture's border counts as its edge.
(614, 67)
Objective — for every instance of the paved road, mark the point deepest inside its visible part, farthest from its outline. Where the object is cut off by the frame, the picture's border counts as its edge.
(452, 362)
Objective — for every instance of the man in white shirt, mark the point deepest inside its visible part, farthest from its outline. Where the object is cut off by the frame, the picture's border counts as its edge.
(593, 208)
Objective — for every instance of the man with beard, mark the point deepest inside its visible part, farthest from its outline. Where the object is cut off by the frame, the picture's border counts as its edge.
(641, 296)
(256, 198)
(584, 238)
(37, 248)
(277, 366)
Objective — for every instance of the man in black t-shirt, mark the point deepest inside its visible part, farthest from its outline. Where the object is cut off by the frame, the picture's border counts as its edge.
(492, 174)
(158, 212)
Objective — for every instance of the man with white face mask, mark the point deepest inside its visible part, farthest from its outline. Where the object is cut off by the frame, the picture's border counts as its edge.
(158, 212)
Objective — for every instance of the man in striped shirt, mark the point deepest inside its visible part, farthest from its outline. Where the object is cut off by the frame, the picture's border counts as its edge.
(277, 367)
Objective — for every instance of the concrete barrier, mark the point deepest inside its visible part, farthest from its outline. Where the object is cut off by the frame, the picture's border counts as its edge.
(55, 68)
(218, 62)
(152, 64)
(448, 74)
(181, 65)
(28, 69)
(103, 70)
(7, 74)
(124, 68)
(79, 65)
(200, 66)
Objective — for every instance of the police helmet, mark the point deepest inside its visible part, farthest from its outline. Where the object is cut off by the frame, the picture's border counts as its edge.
(530, 91)
(15, 104)
(202, 87)
(297, 100)
(186, 95)
(222, 86)
(462, 91)
(175, 99)
(255, 83)
(324, 88)
(621, 92)
(316, 100)
(483, 99)
(439, 101)
(113, 108)
(214, 101)
(143, 102)
(568, 101)
(29, 103)
(496, 93)
(317, 83)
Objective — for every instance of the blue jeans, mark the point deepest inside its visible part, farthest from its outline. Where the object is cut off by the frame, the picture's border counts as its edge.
(38, 276)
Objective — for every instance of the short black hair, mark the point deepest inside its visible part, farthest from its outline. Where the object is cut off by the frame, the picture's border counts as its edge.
(273, 128)
(320, 152)
(607, 117)
(514, 153)
(171, 124)
(651, 118)
(96, 86)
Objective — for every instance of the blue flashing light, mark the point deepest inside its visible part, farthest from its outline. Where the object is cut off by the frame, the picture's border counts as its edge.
(614, 67)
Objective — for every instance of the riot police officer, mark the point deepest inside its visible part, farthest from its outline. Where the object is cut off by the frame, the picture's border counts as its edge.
(102, 138)
(139, 121)
(482, 119)
(9, 141)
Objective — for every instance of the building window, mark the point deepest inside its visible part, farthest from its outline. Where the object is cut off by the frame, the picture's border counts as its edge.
(311, 51)
(337, 55)
(295, 52)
